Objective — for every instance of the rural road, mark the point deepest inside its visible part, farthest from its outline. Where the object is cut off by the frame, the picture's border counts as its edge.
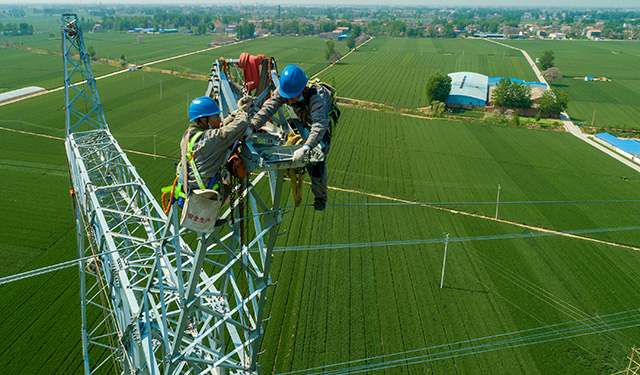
(566, 120)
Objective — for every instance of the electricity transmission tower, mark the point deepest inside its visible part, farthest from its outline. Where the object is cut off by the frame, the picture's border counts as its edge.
(150, 304)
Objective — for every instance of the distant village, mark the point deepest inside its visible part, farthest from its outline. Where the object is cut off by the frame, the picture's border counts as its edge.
(341, 22)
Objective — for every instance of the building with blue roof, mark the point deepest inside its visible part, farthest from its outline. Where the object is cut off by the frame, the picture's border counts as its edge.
(628, 145)
(468, 88)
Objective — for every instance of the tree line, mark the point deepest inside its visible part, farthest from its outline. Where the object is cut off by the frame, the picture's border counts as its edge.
(11, 28)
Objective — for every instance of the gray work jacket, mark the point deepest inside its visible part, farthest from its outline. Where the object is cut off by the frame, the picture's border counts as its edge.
(210, 151)
(312, 110)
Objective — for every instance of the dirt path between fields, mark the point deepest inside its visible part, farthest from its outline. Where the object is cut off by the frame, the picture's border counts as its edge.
(124, 71)
(374, 195)
(62, 139)
(458, 212)
(340, 59)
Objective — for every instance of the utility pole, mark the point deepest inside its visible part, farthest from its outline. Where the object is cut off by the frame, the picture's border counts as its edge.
(593, 119)
(142, 78)
(160, 90)
(444, 261)
(154, 145)
(497, 202)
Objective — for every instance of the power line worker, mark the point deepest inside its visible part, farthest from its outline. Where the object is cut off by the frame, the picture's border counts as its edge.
(209, 141)
(313, 104)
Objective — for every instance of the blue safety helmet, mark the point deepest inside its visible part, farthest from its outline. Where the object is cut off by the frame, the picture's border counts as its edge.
(292, 81)
(203, 106)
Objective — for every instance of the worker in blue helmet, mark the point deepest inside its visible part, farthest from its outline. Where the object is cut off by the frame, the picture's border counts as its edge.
(207, 141)
(315, 107)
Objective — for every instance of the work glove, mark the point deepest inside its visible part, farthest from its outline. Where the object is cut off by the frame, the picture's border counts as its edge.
(247, 134)
(245, 102)
(301, 153)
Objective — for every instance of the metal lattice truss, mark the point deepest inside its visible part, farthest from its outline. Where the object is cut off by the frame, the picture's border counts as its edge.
(151, 304)
(79, 83)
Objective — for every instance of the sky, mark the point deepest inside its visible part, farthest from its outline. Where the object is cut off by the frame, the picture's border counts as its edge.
(425, 3)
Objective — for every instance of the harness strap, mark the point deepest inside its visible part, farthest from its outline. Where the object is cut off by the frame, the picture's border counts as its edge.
(192, 161)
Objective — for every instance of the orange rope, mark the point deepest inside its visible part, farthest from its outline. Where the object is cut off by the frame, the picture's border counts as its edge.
(166, 204)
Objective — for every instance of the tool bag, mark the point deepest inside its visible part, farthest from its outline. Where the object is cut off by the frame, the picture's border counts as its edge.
(202, 206)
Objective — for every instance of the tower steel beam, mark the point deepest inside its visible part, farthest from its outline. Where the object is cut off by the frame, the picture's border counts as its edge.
(149, 303)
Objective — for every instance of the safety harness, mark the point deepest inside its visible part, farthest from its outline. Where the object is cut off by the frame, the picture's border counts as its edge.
(334, 111)
(176, 191)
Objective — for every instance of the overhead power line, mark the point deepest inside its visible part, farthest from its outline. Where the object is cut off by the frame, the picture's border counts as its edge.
(72, 263)
(560, 331)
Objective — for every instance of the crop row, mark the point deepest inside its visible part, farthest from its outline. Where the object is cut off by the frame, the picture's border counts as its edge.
(394, 71)
(611, 104)
(347, 304)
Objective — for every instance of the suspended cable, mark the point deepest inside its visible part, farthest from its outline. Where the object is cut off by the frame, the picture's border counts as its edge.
(451, 239)
(620, 320)
(71, 263)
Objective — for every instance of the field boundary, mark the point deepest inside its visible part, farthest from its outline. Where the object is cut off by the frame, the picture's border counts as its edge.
(340, 59)
(458, 212)
(566, 120)
(375, 195)
(62, 139)
(126, 70)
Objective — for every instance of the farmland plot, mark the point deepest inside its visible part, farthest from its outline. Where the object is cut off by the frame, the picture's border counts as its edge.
(307, 52)
(21, 68)
(395, 71)
(115, 44)
(341, 303)
(614, 103)
(363, 302)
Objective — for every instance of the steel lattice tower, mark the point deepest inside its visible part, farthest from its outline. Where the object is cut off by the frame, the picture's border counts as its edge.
(150, 304)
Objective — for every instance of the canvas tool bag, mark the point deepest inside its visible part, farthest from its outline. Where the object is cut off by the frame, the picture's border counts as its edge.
(202, 206)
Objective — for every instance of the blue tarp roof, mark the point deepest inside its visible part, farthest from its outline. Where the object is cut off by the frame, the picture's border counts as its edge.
(498, 79)
(629, 145)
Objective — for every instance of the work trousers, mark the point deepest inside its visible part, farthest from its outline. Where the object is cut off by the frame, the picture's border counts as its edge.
(318, 172)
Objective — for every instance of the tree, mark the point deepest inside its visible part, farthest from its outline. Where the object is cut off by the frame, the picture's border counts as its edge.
(511, 94)
(335, 56)
(245, 30)
(448, 31)
(546, 60)
(437, 108)
(438, 88)
(552, 73)
(91, 52)
(550, 103)
(351, 42)
(516, 118)
(329, 48)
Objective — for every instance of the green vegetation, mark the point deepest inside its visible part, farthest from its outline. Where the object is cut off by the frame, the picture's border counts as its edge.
(546, 60)
(438, 88)
(348, 304)
(329, 49)
(308, 52)
(394, 71)
(612, 104)
(511, 94)
(152, 47)
(21, 68)
(554, 103)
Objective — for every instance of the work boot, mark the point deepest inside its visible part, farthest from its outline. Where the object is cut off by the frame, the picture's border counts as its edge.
(319, 204)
